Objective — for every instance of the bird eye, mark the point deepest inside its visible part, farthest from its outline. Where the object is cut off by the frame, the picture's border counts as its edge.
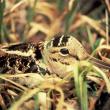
(64, 51)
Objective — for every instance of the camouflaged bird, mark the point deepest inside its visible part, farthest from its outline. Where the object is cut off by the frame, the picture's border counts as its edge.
(59, 54)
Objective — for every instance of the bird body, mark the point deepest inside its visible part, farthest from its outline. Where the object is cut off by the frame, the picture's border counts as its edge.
(21, 58)
(59, 55)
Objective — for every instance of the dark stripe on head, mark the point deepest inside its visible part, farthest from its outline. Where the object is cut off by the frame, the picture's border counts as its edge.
(65, 40)
(60, 40)
(56, 40)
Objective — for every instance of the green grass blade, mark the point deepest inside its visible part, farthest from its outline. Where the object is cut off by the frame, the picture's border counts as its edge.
(90, 37)
(76, 76)
(60, 5)
(81, 83)
(83, 93)
(36, 102)
(31, 12)
(70, 16)
(17, 1)
(2, 7)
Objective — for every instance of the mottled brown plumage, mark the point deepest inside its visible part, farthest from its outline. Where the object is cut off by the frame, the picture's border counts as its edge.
(59, 54)
(21, 58)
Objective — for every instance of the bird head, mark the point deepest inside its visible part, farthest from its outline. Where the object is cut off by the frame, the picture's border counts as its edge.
(62, 52)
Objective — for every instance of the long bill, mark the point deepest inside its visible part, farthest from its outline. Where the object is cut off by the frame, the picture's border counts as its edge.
(99, 63)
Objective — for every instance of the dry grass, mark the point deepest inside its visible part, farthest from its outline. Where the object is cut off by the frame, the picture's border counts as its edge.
(39, 20)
